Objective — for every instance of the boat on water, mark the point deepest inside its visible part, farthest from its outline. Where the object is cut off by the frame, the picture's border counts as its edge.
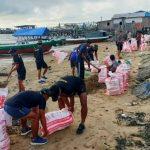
(93, 37)
(28, 39)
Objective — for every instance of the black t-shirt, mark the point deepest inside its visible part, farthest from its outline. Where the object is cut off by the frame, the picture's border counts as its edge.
(70, 85)
(28, 99)
(18, 60)
(38, 54)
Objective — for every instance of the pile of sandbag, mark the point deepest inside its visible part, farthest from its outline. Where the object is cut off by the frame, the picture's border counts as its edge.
(5, 120)
(132, 46)
(117, 83)
(58, 120)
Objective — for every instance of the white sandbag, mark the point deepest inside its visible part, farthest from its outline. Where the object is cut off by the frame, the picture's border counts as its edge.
(107, 61)
(60, 56)
(5, 117)
(3, 95)
(126, 47)
(3, 133)
(58, 120)
(96, 64)
(113, 86)
(102, 74)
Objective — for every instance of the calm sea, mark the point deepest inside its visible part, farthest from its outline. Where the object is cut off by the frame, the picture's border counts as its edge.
(7, 38)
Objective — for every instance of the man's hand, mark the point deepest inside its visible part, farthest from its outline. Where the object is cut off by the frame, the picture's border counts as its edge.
(99, 70)
(71, 109)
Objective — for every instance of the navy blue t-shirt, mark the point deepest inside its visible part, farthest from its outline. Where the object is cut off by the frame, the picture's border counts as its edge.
(73, 55)
(28, 99)
(38, 54)
(18, 60)
(70, 85)
(82, 49)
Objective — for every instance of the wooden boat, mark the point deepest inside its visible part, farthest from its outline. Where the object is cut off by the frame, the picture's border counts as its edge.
(28, 47)
(83, 40)
(93, 37)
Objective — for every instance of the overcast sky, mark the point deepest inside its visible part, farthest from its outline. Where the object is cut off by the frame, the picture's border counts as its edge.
(51, 12)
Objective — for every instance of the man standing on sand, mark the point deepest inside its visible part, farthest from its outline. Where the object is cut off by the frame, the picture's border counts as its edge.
(120, 38)
(40, 63)
(18, 65)
(30, 105)
(73, 60)
(82, 55)
(92, 51)
(66, 88)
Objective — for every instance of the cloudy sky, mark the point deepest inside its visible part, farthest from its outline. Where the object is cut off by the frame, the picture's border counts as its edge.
(51, 12)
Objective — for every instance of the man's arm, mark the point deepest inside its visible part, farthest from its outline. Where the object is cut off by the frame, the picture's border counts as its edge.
(43, 121)
(88, 62)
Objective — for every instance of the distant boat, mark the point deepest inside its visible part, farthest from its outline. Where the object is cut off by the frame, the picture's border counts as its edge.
(93, 37)
(29, 41)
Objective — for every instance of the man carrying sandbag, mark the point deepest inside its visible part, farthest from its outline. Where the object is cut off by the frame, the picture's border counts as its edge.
(29, 105)
(66, 88)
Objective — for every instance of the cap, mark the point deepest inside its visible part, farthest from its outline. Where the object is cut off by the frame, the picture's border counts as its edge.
(53, 92)
(12, 50)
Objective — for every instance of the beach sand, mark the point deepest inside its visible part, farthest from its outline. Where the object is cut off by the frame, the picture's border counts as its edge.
(101, 126)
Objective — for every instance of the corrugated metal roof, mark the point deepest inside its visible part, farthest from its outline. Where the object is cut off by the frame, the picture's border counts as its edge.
(131, 15)
(32, 32)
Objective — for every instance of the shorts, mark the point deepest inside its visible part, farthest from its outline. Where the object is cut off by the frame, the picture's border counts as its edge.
(80, 69)
(72, 63)
(119, 47)
(41, 65)
(17, 113)
(82, 87)
(21, 76)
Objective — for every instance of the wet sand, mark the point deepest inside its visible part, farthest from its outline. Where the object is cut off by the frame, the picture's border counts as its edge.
(101, 127)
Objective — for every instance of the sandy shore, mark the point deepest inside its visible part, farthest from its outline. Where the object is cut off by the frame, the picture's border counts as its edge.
(101, 127)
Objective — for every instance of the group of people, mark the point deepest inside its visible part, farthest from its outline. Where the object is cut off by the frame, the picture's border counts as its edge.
(30, 105)
(83, 53)
(121, 37)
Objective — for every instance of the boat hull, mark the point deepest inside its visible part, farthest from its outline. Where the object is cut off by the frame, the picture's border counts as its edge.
(26, 48)
(83, 40)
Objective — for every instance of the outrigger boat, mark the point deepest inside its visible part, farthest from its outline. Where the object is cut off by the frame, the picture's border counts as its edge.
(28, 39)
(93, 37)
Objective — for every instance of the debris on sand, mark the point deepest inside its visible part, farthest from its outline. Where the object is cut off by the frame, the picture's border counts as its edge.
(145, 134)
(131, 119)
(142, 90)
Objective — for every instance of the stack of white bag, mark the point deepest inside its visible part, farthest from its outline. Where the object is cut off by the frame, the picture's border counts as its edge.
(5, 120)
(58, 120)
(117, 83)
(130, 47)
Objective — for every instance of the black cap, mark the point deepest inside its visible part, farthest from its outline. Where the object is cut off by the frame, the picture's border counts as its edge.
(52, 92)
(12, 50)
